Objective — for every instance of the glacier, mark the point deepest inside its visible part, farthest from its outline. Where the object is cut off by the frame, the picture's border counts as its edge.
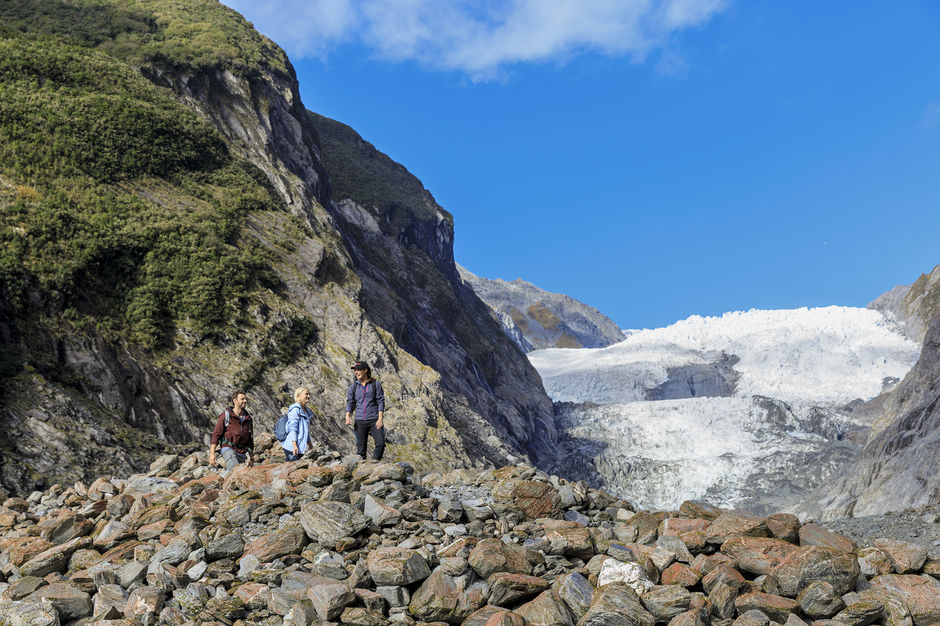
(748, 409)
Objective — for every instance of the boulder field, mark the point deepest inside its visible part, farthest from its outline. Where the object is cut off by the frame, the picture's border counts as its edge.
(336, 540)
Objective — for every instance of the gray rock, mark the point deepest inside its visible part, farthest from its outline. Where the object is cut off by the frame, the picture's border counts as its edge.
(397, 567)
(130, 573)
(576, 592)
(227, 546)
(616, 603)
(20, 613)
(330, 599)
(394, 595)
(328, 522)
(666, 601)
(820, 601)
(70, 603)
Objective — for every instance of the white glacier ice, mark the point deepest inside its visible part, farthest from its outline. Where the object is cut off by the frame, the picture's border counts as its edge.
(779, 432)
(822, 356)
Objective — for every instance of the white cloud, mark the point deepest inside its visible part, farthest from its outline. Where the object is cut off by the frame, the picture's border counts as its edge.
(478, 37)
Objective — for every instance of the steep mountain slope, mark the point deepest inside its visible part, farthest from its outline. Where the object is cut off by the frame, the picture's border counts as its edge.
(536, 319)
(169, 235)
(401, 243)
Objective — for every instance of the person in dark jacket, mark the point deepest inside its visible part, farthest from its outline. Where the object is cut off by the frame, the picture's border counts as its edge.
(234, 433)
(365, 410)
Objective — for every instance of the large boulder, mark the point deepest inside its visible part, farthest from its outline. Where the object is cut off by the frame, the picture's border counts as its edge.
(492, 555)
(758, 555)
(328, 522)
(616, 603)
(451, 599)
(921, 595)
(397, 566)
(810, 564)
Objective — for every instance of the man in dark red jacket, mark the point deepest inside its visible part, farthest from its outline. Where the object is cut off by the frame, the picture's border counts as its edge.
(234, 431)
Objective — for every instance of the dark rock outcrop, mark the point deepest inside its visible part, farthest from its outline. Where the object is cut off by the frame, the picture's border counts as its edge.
(897, 468)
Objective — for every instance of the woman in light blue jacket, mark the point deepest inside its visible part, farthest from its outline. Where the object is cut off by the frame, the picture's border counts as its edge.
(298, 426)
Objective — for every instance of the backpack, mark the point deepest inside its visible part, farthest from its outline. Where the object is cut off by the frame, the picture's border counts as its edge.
(280, 429)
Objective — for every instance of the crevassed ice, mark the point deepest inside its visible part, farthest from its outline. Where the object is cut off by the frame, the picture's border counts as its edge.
(821, 356)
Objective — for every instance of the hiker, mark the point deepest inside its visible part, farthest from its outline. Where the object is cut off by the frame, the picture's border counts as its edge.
(366, 400)
(234, 431)
(298, 426)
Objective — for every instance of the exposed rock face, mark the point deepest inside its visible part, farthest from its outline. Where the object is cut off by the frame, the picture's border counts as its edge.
(898, 466)
(913, 305)
(401, 243)
(377, 284)
(510, 568)
(537, 319)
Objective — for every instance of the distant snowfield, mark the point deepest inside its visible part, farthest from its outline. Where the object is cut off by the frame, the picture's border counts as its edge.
(740, 450)
(823, 356)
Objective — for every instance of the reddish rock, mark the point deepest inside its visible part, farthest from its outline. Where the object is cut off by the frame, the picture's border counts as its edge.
(675, 526)
(507, 588)
(492, 555)
(921, 594)
(776, 608)
(810, 564)
(875, 561)
(447, 598)
(680, 574)
(813, 535)
(907, 557)
(757, 555)
(536, 499)
(54, 559)
(546, 608)
(154, 529)
(701, 510)
(577, 542)
(695, 540)
(732, 524)
(290, 540)
(244, 478)
(784, 526)
(153, 514)
(22, 549)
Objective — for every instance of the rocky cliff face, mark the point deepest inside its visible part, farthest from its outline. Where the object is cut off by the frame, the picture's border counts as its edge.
(401, 244)
(537, 319)
(343, 282)
(897, 468)
(913, 305)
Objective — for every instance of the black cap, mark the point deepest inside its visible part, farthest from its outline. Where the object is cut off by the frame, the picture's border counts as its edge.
(360, 365)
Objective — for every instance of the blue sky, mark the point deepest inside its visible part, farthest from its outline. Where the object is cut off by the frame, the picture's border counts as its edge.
(654, 159)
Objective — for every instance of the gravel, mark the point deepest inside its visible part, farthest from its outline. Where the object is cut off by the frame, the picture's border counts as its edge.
(920, 526)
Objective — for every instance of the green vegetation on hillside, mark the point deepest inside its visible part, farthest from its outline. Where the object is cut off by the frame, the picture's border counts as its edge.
(121, 207)
(165, 34)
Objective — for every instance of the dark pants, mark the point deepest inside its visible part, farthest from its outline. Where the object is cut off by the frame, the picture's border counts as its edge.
(364, 428)
(290, 456)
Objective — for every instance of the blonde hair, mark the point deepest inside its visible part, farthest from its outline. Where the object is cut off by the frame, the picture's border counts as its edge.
(299, 392)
